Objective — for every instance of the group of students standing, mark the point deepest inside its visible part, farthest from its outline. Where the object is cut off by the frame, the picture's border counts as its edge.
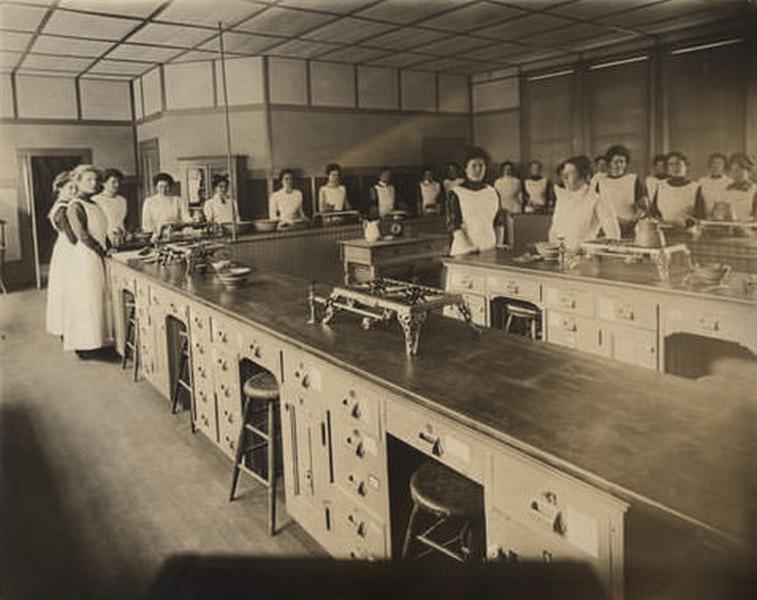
(88, 214)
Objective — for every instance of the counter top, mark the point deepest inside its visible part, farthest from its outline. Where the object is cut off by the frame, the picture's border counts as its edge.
(679, 446)
(608, 270)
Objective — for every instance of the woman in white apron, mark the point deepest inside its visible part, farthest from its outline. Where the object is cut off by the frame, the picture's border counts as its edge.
(509, 189)
(429, 192)
(659, 174)
(474, 216)
(113, 205)
(712, 186)
(580, 212)
(622, 189)
(59, 276)
(383, 195)
(741, 194)
(452, 178)
(538, 192)
(162, 209)
(285, 204)
(332, 197)
(88, 320)
(220, 207)
(600, 170)
(676, 196)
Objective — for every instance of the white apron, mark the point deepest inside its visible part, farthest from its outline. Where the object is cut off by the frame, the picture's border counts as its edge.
(675, 203)
(385, 194)
(712, 190)
(429, 193)
(479, 209)
(509, 190)
(88, 319)
(621, 193)
(217, 210)
(653, 183)
(57, 278)
(741, 202)
(334, 197)
(285, 206)
(537, 191)
(114, 209)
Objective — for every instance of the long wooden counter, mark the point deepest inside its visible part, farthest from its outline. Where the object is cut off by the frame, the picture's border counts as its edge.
(521, 418)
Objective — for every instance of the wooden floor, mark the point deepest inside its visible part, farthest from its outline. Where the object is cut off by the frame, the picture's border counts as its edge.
(99, 483)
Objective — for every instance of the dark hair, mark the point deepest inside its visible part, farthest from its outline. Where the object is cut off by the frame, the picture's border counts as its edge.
(60, 180)
(659, 157)
(600, 157)
(743, 160)
(333, 167)
(115, 173)
(715, 155)
(535, 161)
(427, 168)
(506, 163)
(474, 153)
(219, 179)
(679, 155)
(163, 177)
(582, 163)
(618, 150)
(286, 172)
(453, 165)
(382, 169)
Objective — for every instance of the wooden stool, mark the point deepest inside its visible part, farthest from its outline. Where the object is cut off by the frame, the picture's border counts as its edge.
(529, 315)
(264, 388)
(183, 378)
(131, 334)
(448, 502)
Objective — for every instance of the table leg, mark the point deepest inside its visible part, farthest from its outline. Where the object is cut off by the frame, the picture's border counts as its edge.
(411, 323)
(464, 311)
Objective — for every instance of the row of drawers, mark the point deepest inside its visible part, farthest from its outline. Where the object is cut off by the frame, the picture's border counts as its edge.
(571, 299)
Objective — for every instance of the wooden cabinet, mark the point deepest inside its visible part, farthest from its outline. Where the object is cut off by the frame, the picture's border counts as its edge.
(534, 512)
(573, 331)
(509, 285)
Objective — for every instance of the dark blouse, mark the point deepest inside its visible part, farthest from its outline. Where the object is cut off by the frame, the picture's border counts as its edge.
(454, 213)
(61, 222)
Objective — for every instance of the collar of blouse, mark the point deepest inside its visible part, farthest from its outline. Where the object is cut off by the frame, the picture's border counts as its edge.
(473, 185)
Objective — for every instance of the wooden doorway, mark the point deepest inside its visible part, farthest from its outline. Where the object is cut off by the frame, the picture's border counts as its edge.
(39, 168)
(149, 166)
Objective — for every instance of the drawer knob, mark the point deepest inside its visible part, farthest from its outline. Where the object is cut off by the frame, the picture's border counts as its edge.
(357, 484)
(358, 525)
(305, 381)
(435, 442)
(568, 302)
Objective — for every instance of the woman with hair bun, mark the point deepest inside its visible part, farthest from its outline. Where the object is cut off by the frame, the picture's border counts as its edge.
(162, 208)
(741, 194)
(64, 189)
(623, 189)
(285, 204)
(332, 197)
(88, 321)
(580, 212)
(675, 198)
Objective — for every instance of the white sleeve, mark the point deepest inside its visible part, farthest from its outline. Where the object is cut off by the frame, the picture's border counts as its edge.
(147, 221)
(273, 206)
(207, 210)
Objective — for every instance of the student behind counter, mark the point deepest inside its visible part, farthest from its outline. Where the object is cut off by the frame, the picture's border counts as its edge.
(622, 189)
(220, 207)
(285, 204)
(161, 208)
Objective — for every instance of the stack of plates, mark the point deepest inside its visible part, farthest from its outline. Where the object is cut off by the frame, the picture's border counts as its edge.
(234, 277)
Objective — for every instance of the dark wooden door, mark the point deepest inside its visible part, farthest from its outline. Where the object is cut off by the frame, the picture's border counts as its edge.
(44, 170)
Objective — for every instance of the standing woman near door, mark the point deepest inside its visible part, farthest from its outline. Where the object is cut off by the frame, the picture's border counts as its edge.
(88, 321)
(64, 190)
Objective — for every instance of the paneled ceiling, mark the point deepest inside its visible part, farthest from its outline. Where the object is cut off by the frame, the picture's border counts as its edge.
(125, 38)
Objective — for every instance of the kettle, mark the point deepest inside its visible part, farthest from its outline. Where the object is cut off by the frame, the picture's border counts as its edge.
(647, 234)
(371, 230)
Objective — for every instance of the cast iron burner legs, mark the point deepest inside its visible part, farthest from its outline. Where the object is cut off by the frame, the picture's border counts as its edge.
(411, 323)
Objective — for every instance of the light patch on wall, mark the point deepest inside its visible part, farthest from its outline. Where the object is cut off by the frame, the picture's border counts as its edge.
(189, 85)
(138, 112)
(496, 95)
(332, 84)
(6, 96)
(453, 93)
(151, 92)
(287, 80)
(377, 87)
(46, 97)
(244, 81)
(108, 100)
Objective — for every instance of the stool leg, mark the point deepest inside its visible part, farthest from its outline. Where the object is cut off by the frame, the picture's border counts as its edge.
(508, 322)
(238, 456)
(410, 533)
(135, 351)
(271, 468)
(127, 334)
(181, 372)
(533, 329)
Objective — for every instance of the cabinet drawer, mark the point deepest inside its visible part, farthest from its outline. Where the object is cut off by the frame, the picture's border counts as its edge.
(358, 457)
(513, 287)
(205, 411)
(714, 320)
(569, 300)
(478, 307)
(465, 281)
(365, 484)
(261, 349)
(634, 312)
(437, 437)
(573, 331)
(357, 407)
(567, 513)
(358, 534)
(199, 325)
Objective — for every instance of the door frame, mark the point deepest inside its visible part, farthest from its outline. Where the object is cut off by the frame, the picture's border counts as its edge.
(24, 161)
(148, 145)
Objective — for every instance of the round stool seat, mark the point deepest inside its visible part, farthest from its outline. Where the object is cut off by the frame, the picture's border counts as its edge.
(261, 386)
(521, 311)
(439, 489)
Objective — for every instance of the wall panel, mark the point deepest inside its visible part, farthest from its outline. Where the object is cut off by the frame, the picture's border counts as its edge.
(418, 90)
(189, 85)
(106, 100)
(287, 80)
(453, 93)
(46, 97)
(332, 84)
(244, 81)
(152, 93)
(377, 88)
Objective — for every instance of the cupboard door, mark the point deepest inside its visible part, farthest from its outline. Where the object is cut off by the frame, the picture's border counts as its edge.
(630, 345)
(573, 332)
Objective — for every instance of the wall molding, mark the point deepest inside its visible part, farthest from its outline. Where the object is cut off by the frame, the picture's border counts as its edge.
(61, 121)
